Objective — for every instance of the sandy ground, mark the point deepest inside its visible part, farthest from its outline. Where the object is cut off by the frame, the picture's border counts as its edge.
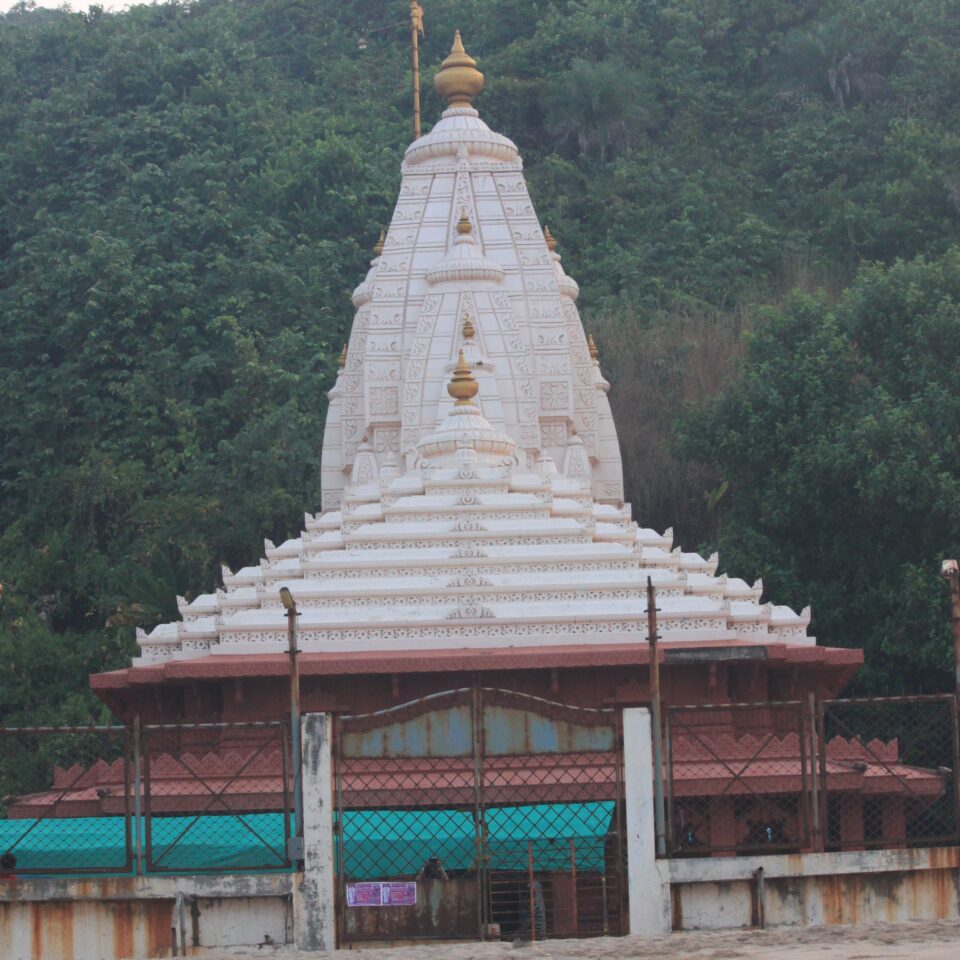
(926, 940)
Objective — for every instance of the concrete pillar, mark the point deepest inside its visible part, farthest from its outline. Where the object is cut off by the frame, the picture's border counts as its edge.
(314, 912)
(649, 895)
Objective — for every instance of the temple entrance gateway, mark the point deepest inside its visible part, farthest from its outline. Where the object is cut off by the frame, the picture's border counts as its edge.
(479, 814)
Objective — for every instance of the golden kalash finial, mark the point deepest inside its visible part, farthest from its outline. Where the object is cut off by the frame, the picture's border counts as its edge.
(468, 329)
(463, 388)
(548, 236)
(342, 360)
(464, 226)
(459, 80)
(594, 352)
(378, 246)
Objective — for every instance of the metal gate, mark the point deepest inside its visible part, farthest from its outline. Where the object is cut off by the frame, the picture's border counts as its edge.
(479, 814)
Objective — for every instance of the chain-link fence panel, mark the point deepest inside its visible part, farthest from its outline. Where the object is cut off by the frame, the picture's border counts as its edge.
(407, 822)
(65, 800)
(889, 772)
(738, 779)
(216, 797)
(552, 818)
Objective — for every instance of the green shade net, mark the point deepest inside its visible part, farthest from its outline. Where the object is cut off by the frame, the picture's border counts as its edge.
(377, 844)
(382, 844)
(213, 843)
(75, 844)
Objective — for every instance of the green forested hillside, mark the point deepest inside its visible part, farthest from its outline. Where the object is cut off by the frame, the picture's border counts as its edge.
(759, 198)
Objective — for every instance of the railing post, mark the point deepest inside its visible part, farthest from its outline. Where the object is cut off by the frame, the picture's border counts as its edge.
(533, 899)
(820, 716)
(955, 710)
(137, 796)
(656, 708)
(814, 799)
(477, 747)
(575, 919)
(294, 843)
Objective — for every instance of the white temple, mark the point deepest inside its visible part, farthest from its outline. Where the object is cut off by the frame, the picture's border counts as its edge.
(472, 482)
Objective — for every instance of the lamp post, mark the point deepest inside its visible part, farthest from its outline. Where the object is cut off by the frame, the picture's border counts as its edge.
(295, 850)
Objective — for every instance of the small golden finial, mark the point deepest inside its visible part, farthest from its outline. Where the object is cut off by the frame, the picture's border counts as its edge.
(463, 388)
(464, 226)
(468, 329)
(378, 246)
(548, 236)
(459, 80)
(594, 352)
(342, 360)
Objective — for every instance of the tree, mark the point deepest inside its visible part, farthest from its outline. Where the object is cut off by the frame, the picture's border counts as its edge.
(189, 191)
(598, 107)
(835, 58)
(838, 442)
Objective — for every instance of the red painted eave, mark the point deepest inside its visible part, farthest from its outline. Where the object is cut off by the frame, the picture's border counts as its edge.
(228, 667)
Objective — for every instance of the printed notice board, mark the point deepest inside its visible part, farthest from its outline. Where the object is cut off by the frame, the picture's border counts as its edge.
(382, 894)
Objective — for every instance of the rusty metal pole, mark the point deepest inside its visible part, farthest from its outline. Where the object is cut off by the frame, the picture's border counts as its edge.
(137, 797)
(479, 846)
(951, 570)
(575, 918)
(818, 834)
(533, 895)
(295, 851)
(655, 705)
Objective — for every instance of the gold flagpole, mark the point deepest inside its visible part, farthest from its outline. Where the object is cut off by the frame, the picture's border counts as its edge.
(416, 31)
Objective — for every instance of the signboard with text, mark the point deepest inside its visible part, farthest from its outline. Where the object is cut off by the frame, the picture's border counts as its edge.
(382, 894)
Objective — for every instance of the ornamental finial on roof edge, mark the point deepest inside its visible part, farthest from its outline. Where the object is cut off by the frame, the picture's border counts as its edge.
(462, 386)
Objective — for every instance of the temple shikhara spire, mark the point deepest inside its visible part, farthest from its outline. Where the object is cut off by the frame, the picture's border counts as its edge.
(471, 474)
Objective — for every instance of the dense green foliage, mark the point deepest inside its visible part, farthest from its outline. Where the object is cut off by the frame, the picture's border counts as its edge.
(188, 192)
(840, 448)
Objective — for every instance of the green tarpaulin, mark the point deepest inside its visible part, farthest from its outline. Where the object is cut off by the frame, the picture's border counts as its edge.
(377, 844)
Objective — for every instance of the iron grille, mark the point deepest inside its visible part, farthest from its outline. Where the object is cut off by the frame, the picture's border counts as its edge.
(216, 797)
(66, 800)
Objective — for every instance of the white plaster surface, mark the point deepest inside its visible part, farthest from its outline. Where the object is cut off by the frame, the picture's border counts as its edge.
(648, 890)
(313, 896)
(492, 524)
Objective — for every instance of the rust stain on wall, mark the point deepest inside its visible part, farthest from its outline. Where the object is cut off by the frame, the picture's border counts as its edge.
(890, 897)
(676, 906)
(52, 930)
(122, 916)
(939, 890)
(36, 930)
(836, 901)
(945, 858)
(158, 919)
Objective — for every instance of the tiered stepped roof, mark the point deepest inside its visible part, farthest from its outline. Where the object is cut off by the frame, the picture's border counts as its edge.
(472, 482)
